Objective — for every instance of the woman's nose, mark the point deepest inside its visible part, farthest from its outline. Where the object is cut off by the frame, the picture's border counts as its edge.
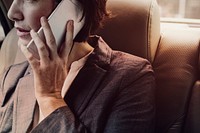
(15, 13)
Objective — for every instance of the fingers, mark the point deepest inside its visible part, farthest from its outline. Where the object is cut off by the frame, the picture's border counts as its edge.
(30, 57)
(68, 45)
(50, 39)
(46, 51)
(70, 32)
(42, 49)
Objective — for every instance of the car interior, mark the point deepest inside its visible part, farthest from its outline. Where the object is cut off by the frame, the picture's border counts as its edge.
(135, 28)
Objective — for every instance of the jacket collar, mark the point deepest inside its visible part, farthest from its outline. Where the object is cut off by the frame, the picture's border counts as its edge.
(8, 85)
(89, 77)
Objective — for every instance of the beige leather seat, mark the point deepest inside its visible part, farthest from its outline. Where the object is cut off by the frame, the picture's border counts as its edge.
(134, 27)
(173, 52)
(176, 67)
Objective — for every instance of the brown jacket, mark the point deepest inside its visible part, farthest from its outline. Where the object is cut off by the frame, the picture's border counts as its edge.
(113, 93)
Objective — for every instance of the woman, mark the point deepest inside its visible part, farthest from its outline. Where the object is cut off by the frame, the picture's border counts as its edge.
(82, 87)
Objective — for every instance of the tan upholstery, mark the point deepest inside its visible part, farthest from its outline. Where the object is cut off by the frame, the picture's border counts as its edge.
(176, 70)
(193, 118)
(134, 27)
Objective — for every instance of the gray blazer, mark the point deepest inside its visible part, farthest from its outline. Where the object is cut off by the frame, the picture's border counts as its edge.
(112, 93)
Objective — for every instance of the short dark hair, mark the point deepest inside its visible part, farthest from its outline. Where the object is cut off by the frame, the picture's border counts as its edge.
(94, 12)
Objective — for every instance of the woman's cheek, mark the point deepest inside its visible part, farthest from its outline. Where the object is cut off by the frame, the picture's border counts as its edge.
(33, 16)
(34, 22)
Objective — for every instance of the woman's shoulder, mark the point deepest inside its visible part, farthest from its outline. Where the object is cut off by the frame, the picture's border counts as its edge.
(133, 70)
(18, 67)
(14, 72)
(118, 60)
(126, 61)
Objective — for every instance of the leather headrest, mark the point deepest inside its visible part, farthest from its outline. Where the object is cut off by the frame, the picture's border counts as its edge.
(133, 28)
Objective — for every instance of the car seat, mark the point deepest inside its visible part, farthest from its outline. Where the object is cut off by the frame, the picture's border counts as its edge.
(174, 53)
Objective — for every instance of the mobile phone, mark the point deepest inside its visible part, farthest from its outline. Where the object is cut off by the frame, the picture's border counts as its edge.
(65, 10)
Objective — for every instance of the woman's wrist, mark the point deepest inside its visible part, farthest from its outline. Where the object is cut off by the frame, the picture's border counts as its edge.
(49, 104)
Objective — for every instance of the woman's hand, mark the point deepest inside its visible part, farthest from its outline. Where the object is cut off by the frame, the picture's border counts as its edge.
(51, 69)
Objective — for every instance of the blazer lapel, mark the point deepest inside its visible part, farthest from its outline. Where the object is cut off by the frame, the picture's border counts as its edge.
(10, 79)
(83, 87)
(25, 104)
(86, 83)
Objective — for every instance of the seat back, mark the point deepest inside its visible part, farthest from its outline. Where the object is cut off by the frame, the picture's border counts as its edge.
(176, 70)
(134, 27)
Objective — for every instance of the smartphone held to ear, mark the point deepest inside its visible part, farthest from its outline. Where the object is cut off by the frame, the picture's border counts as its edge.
(66, 10)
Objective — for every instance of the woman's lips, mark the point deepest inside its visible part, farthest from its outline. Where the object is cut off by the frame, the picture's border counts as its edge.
(22, 32)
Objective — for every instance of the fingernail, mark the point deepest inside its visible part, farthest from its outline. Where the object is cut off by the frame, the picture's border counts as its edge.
(32, 32)
(71, 22)
(43, 19)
